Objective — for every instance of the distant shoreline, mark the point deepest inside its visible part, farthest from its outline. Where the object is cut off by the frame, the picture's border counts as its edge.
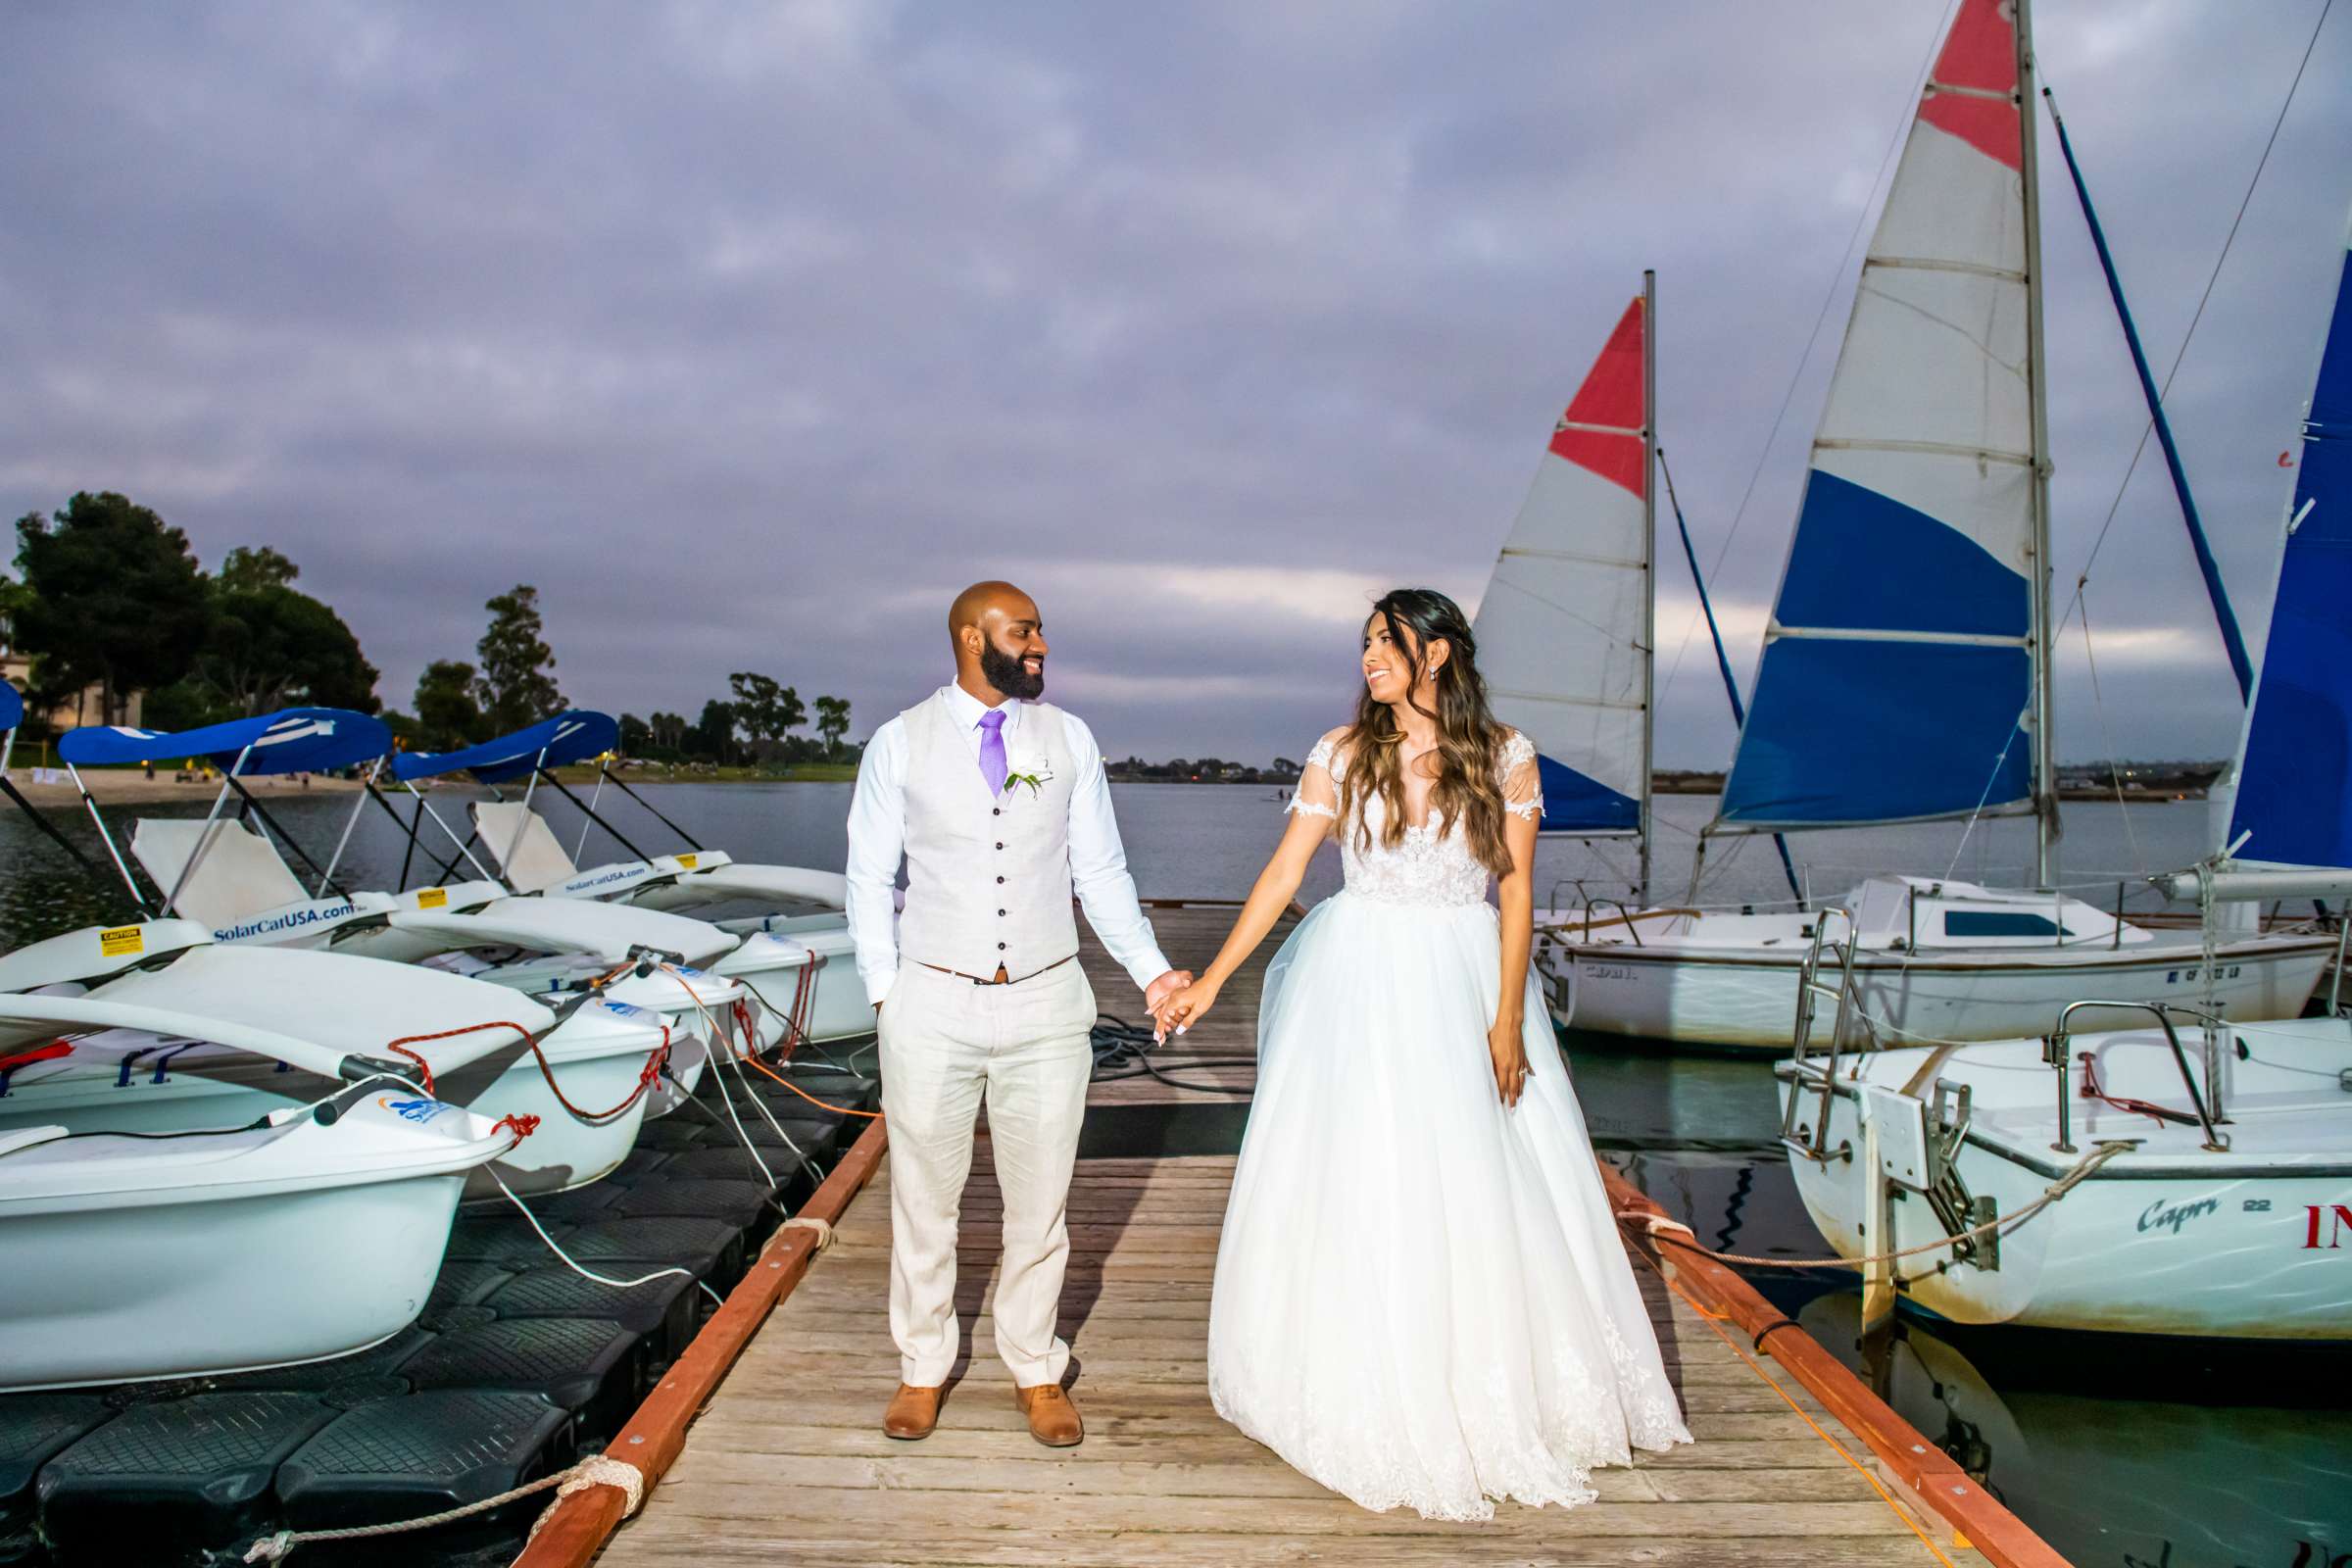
(109, 785)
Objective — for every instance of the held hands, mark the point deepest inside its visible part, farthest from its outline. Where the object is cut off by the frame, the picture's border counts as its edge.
(1155, 999)
(1185, 1006)
(1507, 1044)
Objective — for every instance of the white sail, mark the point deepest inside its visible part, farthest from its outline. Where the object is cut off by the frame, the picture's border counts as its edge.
(1564, 629)
(1899, 679)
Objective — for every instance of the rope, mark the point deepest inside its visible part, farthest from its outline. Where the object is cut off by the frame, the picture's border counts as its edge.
(645, 1080)
(426, 1069)
(600, 1470)
(754, 1061)
(1122, 1050)
(574, 1264)
(826, 1236)
(1662, 1229)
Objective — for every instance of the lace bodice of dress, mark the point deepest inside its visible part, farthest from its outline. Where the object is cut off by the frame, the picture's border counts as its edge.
(1432, 863)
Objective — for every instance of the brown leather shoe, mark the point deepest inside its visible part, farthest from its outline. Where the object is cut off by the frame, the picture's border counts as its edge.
(913, 1412)
(1052, 1418)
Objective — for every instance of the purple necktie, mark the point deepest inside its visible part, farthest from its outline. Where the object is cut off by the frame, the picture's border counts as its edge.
(993, 766)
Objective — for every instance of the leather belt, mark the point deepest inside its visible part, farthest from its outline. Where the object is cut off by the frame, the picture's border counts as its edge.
(1000, 978)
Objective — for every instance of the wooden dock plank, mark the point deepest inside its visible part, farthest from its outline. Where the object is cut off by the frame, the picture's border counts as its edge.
(789, 1462)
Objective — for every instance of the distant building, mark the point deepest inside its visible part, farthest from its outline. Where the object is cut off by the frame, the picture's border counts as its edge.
(85, 707)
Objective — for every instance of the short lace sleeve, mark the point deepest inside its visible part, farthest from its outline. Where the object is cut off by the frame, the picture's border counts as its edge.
(1316, 793)
(1522, 790)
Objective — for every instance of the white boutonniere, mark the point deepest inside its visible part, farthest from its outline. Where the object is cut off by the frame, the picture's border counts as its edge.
(1036, 774)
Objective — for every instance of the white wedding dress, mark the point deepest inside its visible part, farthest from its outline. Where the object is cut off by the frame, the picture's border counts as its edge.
(1421, 1298)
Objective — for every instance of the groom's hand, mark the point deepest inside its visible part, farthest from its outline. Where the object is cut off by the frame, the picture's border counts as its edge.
(1156, 995)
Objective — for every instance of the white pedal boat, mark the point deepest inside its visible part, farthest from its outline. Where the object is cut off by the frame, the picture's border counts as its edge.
(164, 1030)
(836, 1005)
(791, 904)
(1933, 959)
(2245, 1234)
(230, 875)
(312, 1235)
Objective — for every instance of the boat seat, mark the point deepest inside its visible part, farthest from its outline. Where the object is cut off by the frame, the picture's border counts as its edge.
(538, 860)
(241, 874)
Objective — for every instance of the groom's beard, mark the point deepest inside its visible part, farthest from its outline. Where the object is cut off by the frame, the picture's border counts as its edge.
(1006, 672)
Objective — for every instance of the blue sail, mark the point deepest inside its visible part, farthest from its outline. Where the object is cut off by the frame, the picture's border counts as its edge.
(2294, 786)
(1898, 675)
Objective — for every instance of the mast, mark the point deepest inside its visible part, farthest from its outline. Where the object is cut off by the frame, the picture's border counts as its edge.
(2045, 781)
(1649, 561)
(2037, 400)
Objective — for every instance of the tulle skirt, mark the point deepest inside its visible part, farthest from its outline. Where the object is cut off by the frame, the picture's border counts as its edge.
(1421, 1298)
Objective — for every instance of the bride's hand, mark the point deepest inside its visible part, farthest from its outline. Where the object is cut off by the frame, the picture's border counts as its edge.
(1186, 1007)
(1507, 1045)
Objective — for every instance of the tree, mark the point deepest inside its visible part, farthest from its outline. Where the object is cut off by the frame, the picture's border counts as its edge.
(113, 598)
(270, 646)
(446, 714)
(714, 732)
(762, 707)
(516, 682)
(832, 720)
(250, 570)
(635, 735)
(669, 730)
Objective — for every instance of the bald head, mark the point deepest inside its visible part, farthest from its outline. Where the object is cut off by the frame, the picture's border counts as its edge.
(1000, 642)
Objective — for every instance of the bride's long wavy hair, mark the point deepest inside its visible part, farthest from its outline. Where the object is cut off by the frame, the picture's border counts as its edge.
(1467, 789)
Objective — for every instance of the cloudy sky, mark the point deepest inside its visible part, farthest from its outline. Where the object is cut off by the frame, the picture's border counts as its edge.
(748, 332)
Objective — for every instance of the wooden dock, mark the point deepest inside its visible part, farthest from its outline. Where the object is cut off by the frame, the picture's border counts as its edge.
(788, 1463)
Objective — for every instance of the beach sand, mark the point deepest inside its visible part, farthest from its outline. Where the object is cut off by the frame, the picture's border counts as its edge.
(127, 785)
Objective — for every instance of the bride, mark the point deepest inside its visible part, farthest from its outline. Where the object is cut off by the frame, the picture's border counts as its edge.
(1420, 1295)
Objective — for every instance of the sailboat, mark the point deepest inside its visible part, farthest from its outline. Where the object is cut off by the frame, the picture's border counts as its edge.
(1564, 629)
(2223, 1201)
(1904, 676)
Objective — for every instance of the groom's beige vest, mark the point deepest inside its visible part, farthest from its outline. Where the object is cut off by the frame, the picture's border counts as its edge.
(988, 878)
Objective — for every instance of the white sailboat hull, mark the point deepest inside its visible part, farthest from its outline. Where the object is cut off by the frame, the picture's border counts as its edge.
(2253, 1243)
(1748, 1001)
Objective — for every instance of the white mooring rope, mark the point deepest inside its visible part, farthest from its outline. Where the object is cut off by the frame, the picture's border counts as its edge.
(601, 1470)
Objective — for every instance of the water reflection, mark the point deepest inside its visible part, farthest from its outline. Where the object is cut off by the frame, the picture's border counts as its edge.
(2125, 1450)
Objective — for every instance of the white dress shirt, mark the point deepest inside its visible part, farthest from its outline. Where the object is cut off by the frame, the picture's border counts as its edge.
(1097, 860)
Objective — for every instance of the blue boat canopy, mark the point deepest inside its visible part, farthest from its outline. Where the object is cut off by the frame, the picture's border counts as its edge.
(292, 740)
(12, 707)
(569, 737)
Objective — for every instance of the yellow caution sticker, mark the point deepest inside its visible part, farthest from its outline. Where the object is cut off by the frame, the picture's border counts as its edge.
(120, 941)
(686, 860)
(433, 898)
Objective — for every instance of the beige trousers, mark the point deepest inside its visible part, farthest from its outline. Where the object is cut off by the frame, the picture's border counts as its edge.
(948, 1043)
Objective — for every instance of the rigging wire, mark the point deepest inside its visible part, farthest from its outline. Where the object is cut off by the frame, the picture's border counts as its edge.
(1837, 278)
(2099, 707)
(2165, 391)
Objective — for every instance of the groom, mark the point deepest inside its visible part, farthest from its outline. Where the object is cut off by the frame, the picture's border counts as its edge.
(1000, 806)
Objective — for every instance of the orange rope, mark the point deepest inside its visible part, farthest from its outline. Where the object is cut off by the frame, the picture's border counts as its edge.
(1715, 1321)
(746, 1055)
(838, 1110)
